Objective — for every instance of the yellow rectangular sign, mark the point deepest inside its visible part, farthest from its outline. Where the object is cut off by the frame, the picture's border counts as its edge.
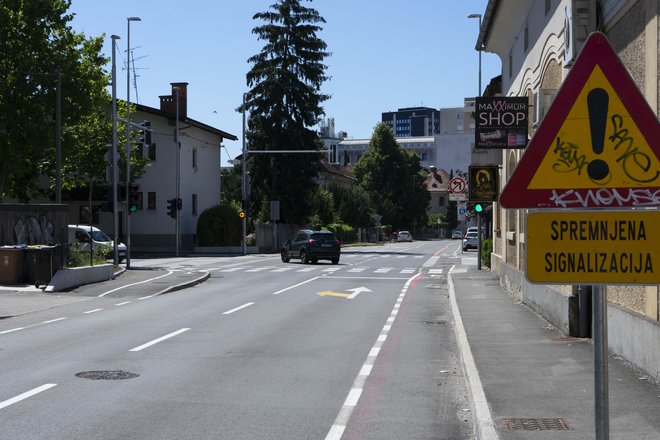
(587, 247)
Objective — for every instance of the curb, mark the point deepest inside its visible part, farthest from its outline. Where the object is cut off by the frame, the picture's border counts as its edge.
(184, 285)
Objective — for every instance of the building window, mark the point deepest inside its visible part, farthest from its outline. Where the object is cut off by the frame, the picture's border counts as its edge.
(152, 152)
(85, 217)
(526, 37)
(510, 63)
(194, 158)
(151, 200)
(548, 5)
(194, 204)
(441, 201)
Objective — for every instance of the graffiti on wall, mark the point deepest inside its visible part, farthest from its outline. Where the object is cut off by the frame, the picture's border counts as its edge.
(33, 230)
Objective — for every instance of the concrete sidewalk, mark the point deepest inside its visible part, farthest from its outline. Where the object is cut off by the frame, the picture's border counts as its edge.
(21, 299)
(537, 383)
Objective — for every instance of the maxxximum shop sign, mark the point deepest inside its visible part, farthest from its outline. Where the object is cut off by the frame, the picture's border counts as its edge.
(501, 122)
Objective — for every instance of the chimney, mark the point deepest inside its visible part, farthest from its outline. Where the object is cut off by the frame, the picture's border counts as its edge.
(168, 102)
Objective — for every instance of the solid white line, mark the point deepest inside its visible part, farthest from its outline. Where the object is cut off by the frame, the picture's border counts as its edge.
(169, 272)
(26, 395)
(92, 311)
(296, 285)
(481, 417)
(53, 320)
(156, 341)
(122, 303)
(229, 312)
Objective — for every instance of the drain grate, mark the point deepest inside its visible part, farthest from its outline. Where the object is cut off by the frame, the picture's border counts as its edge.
(543, 424)
(107, 375)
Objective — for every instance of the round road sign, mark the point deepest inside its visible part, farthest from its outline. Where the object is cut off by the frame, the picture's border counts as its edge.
(457, 185)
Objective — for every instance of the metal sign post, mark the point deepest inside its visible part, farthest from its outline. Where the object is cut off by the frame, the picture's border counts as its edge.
(601, 378)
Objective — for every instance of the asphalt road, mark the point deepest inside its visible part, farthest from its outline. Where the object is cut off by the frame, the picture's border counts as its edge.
(261, 350)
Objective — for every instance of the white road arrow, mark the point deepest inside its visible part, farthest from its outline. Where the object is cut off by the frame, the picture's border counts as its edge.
(357, 291)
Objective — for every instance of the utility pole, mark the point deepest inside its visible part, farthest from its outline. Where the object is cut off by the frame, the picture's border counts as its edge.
(115, 163)
(244, 183)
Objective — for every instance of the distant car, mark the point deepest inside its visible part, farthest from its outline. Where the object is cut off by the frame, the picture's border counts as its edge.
(311, 246)
(470, 241)
(456, 235)
(472, 229)
(404, 236)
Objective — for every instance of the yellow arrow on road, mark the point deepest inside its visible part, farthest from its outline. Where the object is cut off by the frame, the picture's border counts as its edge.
(331, 293)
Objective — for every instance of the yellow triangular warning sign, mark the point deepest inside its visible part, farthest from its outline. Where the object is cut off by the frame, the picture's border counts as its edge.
(598, 146)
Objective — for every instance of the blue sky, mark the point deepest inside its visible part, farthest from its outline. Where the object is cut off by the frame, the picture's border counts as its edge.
(385, 55)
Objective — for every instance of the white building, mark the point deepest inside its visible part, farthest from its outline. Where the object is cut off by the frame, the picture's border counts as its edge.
(152, 229)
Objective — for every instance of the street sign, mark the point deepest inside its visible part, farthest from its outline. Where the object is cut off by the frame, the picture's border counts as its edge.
(594, 247)
(461, 197)
(457, 185)
(483, 185)
(597, 146)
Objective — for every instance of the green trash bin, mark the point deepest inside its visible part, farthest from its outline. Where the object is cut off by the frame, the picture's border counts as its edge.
(11, 265)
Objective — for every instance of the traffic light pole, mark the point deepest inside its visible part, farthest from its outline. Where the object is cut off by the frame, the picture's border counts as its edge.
(478, 241)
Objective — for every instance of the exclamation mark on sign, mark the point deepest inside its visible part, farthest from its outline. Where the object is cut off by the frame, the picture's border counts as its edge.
(597, 104)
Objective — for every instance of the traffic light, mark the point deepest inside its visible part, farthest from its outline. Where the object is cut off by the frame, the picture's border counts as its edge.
(478, 207)
(133, 199)
(179, 204)
(147, 133)
(171, 207)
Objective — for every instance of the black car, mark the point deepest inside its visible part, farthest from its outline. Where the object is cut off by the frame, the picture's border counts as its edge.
(312, 246)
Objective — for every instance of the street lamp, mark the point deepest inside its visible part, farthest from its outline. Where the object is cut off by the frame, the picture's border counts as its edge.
(115, 163)
(478, 211)
(479, 17)
(128, 137)
(177, 232)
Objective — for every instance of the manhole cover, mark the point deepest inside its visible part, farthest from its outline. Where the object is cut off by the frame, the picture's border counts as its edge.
(107, 375)
(543, 424)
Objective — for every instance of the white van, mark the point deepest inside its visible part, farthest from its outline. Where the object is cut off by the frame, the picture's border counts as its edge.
(82, 237)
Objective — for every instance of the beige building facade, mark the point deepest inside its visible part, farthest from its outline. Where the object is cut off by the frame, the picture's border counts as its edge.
(537, 42)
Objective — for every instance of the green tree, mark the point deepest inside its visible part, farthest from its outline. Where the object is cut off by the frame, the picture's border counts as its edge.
(322, 208)
(353, 206)
(231, 184)
(37, 42)
(285, 104)
(394, 180)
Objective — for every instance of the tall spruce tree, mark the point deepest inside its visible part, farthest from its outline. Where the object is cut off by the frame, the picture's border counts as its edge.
(394, 180)
(284, 103)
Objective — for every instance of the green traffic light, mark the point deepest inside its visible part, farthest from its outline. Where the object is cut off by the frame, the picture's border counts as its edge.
(478, 207)
(133, 207)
